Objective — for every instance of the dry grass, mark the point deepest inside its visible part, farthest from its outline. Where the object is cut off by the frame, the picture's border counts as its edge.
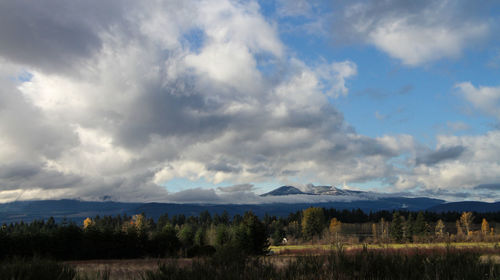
(132, 269)
(325, 249)
(122, 269)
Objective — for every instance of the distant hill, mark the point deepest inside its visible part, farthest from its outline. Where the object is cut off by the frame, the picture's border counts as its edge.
(475, 206)
(60, 209)
(74, 210)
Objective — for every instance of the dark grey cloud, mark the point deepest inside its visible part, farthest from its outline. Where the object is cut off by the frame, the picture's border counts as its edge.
(18, 170)
(223, 166)
(492, 187)
(440, 155)
(170, 112)
(56, 35)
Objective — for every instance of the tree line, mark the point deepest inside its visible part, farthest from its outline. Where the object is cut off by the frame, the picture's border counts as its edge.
(137, 236)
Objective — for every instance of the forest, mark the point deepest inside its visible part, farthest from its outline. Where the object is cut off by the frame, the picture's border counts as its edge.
(137, 236)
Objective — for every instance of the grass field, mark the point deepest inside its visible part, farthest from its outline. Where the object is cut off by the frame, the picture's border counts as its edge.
(282, 257)
(318, 248)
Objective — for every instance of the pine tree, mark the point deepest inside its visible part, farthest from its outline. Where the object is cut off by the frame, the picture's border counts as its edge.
(420, 225)
(396, 229)
(251, 235)
(409, 227)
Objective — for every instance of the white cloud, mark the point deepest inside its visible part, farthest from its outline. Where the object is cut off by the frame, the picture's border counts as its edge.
(415, 45)
(334, 77)
(486, 99)
(294, 8)
(478, 163)
(414, 33)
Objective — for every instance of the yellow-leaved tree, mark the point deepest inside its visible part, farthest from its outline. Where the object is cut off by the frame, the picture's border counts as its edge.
(466, 221)
(88, 222)
(485, 227)
(440, 228)
(335, 226)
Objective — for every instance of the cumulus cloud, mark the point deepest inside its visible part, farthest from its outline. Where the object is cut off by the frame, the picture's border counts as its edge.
(118, 104)
(459, 163)
(413, 32)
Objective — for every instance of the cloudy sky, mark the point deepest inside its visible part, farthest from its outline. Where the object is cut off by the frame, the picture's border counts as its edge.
(203, 101)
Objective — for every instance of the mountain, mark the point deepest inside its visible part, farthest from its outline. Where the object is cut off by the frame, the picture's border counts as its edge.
(311, 190)
(279, 202)
(331, 190)
(284, 190)
(474, 206)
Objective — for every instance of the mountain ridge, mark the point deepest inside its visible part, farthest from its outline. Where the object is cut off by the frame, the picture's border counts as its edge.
(311, 190)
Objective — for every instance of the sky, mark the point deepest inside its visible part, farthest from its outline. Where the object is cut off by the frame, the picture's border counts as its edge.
(220, 101)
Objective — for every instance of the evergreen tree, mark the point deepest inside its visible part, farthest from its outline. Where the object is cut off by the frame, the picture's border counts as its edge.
(251, 235)
(408, 228)
(396, 229)
(420, 226)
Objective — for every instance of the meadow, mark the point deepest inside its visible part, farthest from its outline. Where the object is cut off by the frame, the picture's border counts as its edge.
(423, 261)
(327, 248)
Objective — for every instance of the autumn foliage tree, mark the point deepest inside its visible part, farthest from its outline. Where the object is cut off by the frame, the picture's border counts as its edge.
(466, 222)
(335, 226)
(87, 223)
(439, 230)
(485, 227)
